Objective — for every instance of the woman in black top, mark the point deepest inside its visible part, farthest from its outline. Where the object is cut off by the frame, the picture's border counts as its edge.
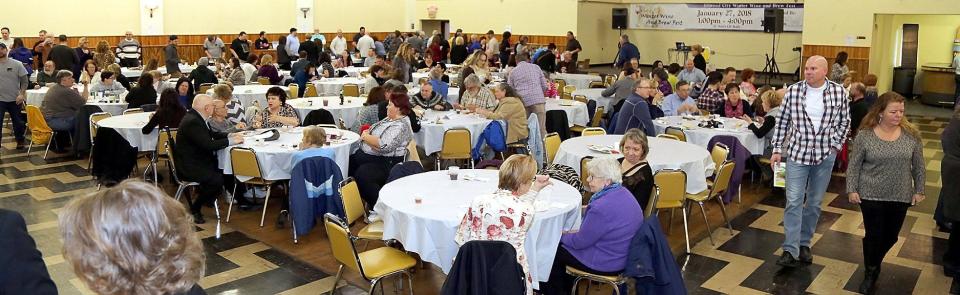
(770, 102)
(698, 60)
(168, 114)
(733, 106)
(458, 53)
(283, 60)
(637, 174)
(143, 94)
(505, 49)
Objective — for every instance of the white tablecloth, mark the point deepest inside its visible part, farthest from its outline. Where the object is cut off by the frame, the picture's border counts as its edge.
(354, 71)
(348, 111)
(594, 94)
(701, 136)
(430, 136)
(582, 81)
(275, 156)
(332, 86)
(664, 154)
(576, 111)
(418, 75)
(429, 229)
(247, 94)
(129, 127)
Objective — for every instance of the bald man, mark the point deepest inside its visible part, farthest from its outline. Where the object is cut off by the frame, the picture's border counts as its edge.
(691, 74)
(195, 153)
(815, 118)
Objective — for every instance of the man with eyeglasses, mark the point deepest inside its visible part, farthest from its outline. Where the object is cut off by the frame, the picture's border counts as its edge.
(636, 111)
(680, 102)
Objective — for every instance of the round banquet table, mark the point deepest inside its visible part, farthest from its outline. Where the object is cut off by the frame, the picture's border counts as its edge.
(664, 154)
(453, 93)
(701, 136)
(332, 86)
(248, 94)
(348, 111)
(129, 127)
(275, 156)
(421, 75)
(354, 71)
(594, 94)
(431, 132)
(576, 111)
(430, 228)
(582, 81)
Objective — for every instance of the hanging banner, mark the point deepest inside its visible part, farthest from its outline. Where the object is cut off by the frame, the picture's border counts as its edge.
(712, 16)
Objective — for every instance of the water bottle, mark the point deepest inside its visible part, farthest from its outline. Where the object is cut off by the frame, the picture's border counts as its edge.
(341, 97)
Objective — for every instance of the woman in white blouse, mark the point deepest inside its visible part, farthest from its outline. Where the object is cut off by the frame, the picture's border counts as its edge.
(506, 214)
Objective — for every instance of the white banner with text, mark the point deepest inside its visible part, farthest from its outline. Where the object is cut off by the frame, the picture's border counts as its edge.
(712, 16)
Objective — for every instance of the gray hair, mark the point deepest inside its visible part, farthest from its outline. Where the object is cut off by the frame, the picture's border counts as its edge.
(471, 80)
(605, 168)
(203, 61)
(63, 74)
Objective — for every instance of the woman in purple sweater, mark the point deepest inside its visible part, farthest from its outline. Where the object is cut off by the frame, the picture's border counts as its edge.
(609, 223)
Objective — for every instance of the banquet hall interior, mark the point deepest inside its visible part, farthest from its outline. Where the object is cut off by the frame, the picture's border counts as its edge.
(404, 118)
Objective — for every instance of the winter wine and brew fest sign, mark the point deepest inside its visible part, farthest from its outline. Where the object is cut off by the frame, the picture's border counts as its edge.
(712, 16)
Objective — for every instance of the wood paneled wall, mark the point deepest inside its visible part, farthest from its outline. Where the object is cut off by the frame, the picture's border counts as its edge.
(858, 58)
(190, 47)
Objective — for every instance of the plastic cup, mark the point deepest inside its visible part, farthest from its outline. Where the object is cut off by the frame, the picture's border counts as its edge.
(454, 172)
(325, 102)
(418, 199)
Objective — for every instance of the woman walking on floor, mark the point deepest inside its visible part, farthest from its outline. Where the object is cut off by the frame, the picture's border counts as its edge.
(885, 176)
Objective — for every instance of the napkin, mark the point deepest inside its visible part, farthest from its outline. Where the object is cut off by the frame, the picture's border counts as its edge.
(473, 177)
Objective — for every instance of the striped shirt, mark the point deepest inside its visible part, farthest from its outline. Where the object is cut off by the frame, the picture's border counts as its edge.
(235, 112)
(128, 49)
(483, 99)
(805, 144)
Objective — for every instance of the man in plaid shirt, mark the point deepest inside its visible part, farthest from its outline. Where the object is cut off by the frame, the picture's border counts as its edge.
(813, 126)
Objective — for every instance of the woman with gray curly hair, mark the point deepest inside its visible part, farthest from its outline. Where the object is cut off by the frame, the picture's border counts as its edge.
(132, 239)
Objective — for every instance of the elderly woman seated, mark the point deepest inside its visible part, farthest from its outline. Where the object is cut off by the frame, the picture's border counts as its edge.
(383, 145)
(637, 175)
(734, 106)
(610, 221)
(510, 109)
(429, 99)
(314, 138)
(476, 95)
(132, 239)
(234, 110)
(506, 214)
(278, 113)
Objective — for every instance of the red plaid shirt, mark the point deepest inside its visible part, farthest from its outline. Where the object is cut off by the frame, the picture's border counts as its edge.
(805, 145)
(710, 100)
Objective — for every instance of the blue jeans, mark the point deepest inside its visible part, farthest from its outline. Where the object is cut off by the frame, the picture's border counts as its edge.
(19, 124)
(800, 221)
(62, 123)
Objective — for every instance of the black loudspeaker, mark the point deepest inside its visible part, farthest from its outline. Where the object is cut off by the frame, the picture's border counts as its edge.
(619, 18)
(773, 20)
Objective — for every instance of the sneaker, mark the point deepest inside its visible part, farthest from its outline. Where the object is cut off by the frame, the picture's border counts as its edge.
(261, 192)
(787, 260)
(248, 194)
(805, 255)
(372, 216)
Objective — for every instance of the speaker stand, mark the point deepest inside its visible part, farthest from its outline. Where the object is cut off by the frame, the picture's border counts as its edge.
(617, 55)
(771, 67)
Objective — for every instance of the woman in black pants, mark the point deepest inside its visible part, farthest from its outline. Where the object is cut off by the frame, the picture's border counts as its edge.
(382, 145)
(885, 176)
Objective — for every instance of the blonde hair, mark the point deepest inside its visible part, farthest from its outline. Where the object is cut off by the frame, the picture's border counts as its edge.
(517, 170)
(157, 76)
(222, 92)
(637, 136)
(132, 239)
(266, 59)
(458, 40)
(315, 136)
(773, 98)
(115, 68)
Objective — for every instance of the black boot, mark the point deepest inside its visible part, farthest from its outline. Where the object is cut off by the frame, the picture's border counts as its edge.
(955, 287)
(869, 279)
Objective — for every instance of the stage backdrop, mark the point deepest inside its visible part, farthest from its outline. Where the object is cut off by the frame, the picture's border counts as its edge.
(711, 16)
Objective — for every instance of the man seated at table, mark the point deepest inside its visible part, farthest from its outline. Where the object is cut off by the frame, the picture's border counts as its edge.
(635, 112)
(427, 63)
(428, 99)
(195, 153)
(371, 58)
(476, 95)
(61, 103)
(300, 65)
(378, 75)
(600, 246)
(202, 74)
(621, 89)
(47, 77)
(680, 102)
(691, 74)
(506, 214)
(108, 84)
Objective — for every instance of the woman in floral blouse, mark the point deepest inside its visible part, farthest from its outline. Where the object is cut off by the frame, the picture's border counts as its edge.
(278, 112)
(506, 214)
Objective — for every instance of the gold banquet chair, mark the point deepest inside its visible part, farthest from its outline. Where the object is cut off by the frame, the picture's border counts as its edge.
(40, 132)
(671, 191)
(578, 274)
(263, 80)
(373, 265)
(311, 91)
(456, 146)
(592, 131)
(245, 163)
(681, 136)
(354, 210)
(94, 118)
(715, 190)
(668, 136)
(551, 144)
(351, 90)
(132, 111)
(293, 90)
(162, 137)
